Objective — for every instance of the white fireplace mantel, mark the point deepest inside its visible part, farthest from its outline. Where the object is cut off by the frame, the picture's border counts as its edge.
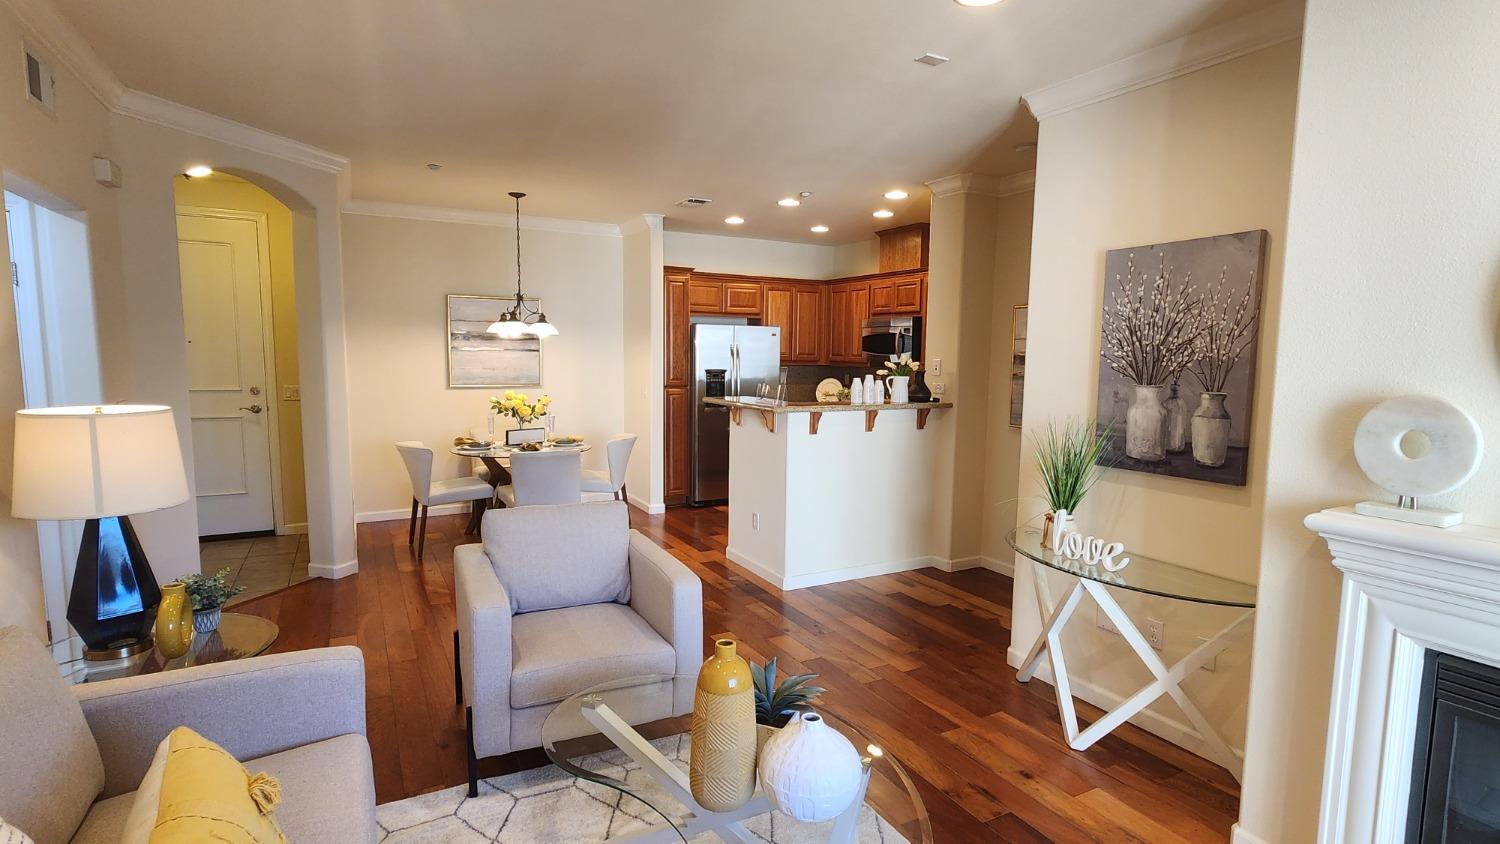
(1407, 588)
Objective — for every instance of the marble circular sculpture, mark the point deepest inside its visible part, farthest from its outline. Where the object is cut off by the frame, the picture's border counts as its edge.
(1455, 445)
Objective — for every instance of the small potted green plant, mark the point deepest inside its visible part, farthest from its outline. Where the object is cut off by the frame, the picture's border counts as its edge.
(775, 704)
(209, 592)
(1070, 459)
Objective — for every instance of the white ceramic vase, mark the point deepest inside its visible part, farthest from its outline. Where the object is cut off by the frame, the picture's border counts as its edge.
(897, 385)
(1211, 430)
(1146, 424)
(809, 770)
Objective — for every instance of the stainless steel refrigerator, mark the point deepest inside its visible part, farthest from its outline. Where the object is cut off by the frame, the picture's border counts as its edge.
(748, 356)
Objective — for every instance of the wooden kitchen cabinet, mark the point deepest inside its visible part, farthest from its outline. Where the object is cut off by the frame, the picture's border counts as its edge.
(678, 283)
(809, 329)
(705, 296)
(779, 305)
(903, 248)
(743, 297)
(848, 307)
(678, 445)
(898, 295)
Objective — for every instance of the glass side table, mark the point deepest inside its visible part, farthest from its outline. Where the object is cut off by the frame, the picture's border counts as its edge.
(239, 636)
(590, 736)
(1149, 576)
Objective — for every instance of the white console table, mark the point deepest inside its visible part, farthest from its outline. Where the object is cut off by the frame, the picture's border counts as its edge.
(1152, 577)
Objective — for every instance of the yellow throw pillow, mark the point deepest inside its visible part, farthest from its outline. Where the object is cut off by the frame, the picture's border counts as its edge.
(195, 791)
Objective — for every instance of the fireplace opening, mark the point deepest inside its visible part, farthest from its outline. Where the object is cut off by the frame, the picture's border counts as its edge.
(1455, 783)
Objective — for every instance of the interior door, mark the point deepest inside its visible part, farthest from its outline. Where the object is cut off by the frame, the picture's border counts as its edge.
(223, 271)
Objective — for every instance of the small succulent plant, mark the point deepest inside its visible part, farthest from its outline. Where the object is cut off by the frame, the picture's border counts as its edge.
(210, 590)
(776, 704)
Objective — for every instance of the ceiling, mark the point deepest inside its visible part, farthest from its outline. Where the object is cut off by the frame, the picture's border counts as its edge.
(603, 110)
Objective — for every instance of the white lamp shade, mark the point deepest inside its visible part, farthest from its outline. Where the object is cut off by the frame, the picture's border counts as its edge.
(95, 462)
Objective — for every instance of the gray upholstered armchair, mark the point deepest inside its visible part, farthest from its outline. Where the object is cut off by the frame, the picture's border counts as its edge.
(558, 599)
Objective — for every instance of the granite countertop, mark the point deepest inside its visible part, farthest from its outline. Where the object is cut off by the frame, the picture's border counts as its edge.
(833, 407)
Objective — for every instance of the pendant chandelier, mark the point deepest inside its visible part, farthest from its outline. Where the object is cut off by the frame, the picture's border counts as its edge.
(520, 319)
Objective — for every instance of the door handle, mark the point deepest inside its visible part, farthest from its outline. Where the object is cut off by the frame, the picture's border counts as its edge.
(254, 408)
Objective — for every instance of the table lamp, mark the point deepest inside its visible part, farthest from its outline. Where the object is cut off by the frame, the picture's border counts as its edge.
(102, 464)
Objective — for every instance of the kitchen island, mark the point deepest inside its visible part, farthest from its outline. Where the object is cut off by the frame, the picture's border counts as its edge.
(820, 493)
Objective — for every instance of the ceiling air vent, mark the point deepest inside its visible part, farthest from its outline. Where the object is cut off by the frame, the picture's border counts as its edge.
(693, 202)
(39, 88)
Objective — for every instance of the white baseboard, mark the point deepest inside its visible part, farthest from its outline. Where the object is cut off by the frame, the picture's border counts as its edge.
(405, 512)
(1238, 835)
(652, 509)
(832, 575)
(1005, 567)
(292, 529)
(1164, 726)
(333, 571)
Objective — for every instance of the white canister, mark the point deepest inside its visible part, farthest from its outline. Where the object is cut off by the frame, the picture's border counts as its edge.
(857, 392)
(809, 770)
(870, 383)
(879, 392)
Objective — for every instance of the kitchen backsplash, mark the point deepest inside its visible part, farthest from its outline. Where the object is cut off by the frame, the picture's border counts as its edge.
(802, 381)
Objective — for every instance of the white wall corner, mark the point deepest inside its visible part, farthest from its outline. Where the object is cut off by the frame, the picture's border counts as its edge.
(64, 44)
(333, 571)
(471, 217)
(644, 222)
(1230, 40)
(1238, 835)
(983, 184)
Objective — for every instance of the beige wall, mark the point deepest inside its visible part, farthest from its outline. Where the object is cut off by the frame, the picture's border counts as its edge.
(1392, 286)
(1203, 154)
(1003, 450)
(232, 193)
(644, 312)
(53, 154)
(754, 256)
(398, 273)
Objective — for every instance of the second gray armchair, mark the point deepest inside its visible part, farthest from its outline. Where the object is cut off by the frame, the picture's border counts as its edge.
(558, 599)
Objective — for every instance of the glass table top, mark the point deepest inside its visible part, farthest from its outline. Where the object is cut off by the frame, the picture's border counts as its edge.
(239, 636)
(1143, 574)
(582, 749)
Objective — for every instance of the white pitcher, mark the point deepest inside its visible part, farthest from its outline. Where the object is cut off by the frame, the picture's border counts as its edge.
(897, 384)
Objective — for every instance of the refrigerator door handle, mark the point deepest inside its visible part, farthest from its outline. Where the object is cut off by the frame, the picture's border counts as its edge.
(734, 368)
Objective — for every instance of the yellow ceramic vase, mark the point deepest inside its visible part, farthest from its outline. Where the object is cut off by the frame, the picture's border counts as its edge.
(722, 771)
(174, 621)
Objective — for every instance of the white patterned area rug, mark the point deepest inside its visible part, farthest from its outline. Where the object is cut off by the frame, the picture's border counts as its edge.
(549, 806)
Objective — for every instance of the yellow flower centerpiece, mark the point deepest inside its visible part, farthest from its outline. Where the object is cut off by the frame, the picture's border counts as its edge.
(519, 407)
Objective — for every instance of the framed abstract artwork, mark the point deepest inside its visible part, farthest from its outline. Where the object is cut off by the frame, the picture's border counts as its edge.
(477, 358)
(1178, 346)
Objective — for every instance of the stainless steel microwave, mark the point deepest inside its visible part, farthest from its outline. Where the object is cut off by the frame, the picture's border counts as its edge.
(882, 337)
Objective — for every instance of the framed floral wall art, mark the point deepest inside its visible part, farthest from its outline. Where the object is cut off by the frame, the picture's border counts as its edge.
(1177, 355)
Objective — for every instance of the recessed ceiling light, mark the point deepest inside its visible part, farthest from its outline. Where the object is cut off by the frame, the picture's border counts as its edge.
(932, 59)
(734, 221)
(895, 194)
(789, 202)
(976, 2)
(805, 194)
(434, 167)
(818, 229)
(198, 171)
(884, 213)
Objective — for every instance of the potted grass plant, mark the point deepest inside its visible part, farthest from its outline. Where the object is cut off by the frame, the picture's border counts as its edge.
(209, 592)
(776, 703)
(1070, 458)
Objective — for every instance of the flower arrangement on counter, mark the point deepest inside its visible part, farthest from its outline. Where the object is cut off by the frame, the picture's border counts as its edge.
(899, 366)
(519, 407)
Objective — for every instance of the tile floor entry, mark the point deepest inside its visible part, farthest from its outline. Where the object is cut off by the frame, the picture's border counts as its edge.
(262, 564)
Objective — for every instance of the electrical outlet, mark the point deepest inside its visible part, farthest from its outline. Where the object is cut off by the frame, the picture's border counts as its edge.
(937, 388)
(1213, 661)
(1155, 633)
(291, 392)
(755, 521)
(1101, 620)
(937, 366)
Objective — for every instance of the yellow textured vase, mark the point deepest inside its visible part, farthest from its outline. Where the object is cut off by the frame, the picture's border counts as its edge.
(722, 771)
(174, 621)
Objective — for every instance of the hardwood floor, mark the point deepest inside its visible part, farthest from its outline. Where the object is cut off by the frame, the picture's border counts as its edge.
(915, 660)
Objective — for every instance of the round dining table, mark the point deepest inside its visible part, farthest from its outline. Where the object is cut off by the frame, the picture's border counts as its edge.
(496, 458)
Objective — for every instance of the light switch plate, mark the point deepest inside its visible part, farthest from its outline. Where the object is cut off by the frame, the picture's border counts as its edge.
(937, 366)
(291, 392)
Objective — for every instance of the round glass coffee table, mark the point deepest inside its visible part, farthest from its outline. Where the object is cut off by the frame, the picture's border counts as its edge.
(590, 735)
(239, 636)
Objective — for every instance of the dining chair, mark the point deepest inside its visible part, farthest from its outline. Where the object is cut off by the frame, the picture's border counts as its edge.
(426, 492)
(542, 477)
(617, 450)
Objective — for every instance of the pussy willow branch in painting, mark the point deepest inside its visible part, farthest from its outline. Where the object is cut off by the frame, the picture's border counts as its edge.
(1152, 328)
(1225, 336)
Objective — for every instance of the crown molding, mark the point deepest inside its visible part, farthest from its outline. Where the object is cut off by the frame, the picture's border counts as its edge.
(1242, 36)
(68, 48)
(433, 214)
(643, 223)
(153, 109)
(983, 184)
